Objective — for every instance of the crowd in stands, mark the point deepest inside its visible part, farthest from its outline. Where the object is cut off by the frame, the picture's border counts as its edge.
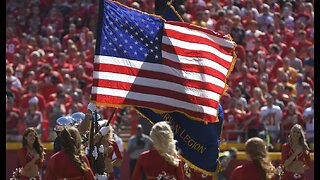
(50, 48)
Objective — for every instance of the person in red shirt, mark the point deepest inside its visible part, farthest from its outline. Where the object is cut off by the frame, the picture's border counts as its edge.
(232, 117)
(33, 117)
(32, 90)
(162, 161)
(259, 166)
(53, 111)
(70, 162)
(11, 43)
(13, 115)
(31, 155)
(248, 80)
(291, 116)
(252, 120)
(48, 81)
(295, 155)
(54, 19)
(34, 63)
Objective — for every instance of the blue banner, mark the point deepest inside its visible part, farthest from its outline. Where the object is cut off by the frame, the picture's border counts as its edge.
(198, 142)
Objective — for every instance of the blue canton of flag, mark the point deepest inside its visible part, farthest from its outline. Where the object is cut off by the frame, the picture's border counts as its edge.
(124, 41)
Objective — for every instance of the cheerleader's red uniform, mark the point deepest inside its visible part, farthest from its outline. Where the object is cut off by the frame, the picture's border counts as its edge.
(287, 151)
(248, 171)
(25, 158)
(60, 166)
(153, 165)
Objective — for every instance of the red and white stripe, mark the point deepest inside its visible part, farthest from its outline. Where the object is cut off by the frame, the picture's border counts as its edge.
(191, 78)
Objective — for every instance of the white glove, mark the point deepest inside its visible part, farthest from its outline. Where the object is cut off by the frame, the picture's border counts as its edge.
(104, 130)
(101, 149)
(86, 150)
(92, 107)
(95, 153)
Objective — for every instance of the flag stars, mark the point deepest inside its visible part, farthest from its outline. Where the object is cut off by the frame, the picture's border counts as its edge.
(131, 27)
(107, 27)
(136, 42)
(120, 45)
(104, 48)
(158, 28)
(116, 29)
(151, 32)
(130, 47)
(137, 24)
(156, 56)
(126, 41)
(147, 44)
(114, 49)
(115, 39)
(141, 39)
(151, 50)
(136, 33)
(111, 33)
(121, 35)
(141, 48)
(131, 37)
(135, 53)
(127, 22)
(156, 38)
(145, 54)
(110, 44)
(126, 31)
(156, 47)
(107, 17)
(125, 51)
(147, 26)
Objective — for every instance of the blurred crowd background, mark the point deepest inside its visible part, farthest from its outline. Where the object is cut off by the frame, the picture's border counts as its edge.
(50, 47)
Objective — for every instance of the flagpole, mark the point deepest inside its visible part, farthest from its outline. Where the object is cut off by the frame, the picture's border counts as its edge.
(91, 135)
(111, 116)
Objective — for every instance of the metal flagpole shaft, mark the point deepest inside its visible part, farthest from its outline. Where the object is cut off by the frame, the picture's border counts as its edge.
(111, 116)
(91, 135)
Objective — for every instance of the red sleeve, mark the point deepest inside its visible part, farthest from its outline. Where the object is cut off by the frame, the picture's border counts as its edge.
(137, 173)
(179, 172)
(22, 157)
(116, 150)
(236, 173)
(284, 153)
(88, 174)
(49, 171)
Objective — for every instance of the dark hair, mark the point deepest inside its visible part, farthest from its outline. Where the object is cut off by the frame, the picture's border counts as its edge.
(36, 145)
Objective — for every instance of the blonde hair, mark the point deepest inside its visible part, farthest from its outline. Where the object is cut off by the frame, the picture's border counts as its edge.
(302, 139)
(257, 150)
(163, 141)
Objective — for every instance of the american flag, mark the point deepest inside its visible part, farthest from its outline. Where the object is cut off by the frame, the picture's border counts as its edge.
(142, 60)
